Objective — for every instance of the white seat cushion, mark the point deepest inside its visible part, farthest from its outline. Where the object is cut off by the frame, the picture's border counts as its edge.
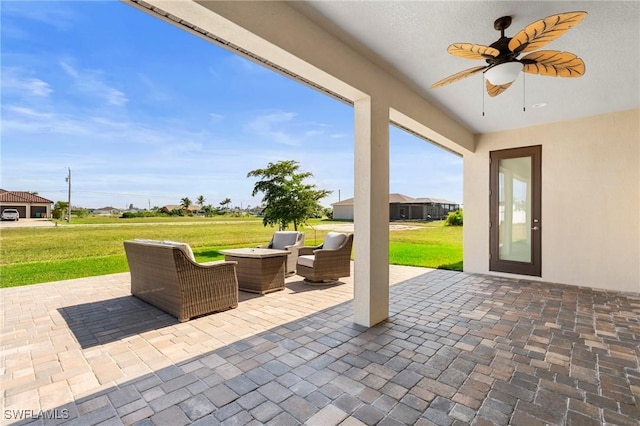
(281, 239)
(306, 260)
(333, 240)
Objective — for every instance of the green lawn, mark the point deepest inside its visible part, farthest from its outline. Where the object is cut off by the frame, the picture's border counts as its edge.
(93, 246)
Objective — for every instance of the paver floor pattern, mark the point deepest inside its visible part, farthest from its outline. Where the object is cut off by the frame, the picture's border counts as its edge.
(457, 349)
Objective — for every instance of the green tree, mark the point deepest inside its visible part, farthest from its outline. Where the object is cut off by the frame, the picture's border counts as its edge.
(185, 203)
(201, 201)
(287, 198)
(455, 218)
(59, 209)
(225, 204)
(208, 210)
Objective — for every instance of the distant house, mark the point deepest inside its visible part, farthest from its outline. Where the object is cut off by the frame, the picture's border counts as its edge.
(106, 211)
(403, 207)
(28, 205)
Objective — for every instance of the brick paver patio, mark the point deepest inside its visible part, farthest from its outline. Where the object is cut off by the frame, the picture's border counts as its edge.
(457, 349)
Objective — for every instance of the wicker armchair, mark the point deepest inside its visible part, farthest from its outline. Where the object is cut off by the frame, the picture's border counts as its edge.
(165, 275)
(327, 262)
(291, 241)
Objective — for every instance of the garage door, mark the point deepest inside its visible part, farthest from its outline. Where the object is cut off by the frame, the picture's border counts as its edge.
(38, 211)
(22, 210)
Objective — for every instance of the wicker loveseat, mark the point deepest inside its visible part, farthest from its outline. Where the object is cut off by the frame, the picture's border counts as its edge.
(327, 262)
(165, 274)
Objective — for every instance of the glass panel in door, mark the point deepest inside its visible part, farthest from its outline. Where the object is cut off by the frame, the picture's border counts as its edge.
(515, 209)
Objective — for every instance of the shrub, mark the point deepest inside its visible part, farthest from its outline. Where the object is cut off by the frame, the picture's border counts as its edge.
(454, 218)
(144, 213)
(80, 212)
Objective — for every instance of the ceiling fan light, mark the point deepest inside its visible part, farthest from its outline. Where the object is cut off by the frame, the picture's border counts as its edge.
(503, 73)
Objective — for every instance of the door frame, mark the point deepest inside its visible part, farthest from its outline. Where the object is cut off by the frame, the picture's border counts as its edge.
(533, 268)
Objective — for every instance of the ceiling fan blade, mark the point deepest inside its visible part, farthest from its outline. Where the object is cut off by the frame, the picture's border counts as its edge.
(472, 51)
(495, 90)
(458, 76)
(553, 63)
(539, 33)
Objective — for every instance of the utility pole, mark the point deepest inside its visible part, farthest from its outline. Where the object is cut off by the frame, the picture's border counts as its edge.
(69, 199)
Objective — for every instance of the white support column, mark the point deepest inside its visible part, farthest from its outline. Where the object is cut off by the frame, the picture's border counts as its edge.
(371, 212)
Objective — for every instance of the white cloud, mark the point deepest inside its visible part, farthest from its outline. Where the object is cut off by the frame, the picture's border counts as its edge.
(312, 133)
(284, 139)
(55, 15)
(153, 91)
(91, 82)
(281, 127)
(115, 97)
(264, 123)
(30, 112)
(270, 126)
(71, 71)
(19, 119)
(14, 81)
(38, 87)
(216, 117)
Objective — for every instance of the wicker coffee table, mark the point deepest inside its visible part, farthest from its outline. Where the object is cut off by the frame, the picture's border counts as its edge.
(259, 270)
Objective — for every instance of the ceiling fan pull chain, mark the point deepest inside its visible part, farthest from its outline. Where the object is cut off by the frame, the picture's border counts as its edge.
(524, 92)
(483, 83)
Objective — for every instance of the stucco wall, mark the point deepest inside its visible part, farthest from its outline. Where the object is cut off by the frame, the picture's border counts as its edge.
(590, 199)
(343, 212)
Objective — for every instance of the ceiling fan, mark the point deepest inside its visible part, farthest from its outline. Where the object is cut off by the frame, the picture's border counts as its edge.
(502, 56)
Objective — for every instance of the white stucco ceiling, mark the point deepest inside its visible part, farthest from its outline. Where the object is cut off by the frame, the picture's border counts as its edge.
(410, 40)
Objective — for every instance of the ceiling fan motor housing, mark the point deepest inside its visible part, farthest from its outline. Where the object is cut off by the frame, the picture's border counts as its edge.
(506, 55)
(502, 45)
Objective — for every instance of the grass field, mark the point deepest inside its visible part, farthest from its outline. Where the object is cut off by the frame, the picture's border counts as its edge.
(93, 246)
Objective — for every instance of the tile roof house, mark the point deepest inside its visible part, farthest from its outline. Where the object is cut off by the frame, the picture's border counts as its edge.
(403, 207)
(28, 205)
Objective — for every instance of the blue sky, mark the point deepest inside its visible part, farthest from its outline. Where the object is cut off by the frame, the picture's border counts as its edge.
(144, 113)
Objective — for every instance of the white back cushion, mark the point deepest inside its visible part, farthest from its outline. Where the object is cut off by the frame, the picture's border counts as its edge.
(281, 239)
(186, 248)
(333, 240)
